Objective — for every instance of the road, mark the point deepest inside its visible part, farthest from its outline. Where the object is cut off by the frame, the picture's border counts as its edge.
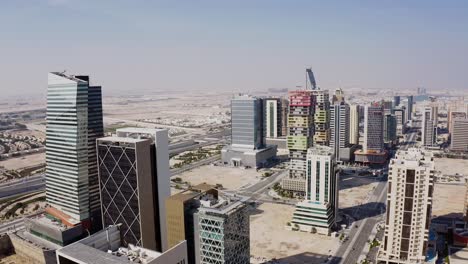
(23, 186)
(195, 164)
(369, 214)
(14, 225)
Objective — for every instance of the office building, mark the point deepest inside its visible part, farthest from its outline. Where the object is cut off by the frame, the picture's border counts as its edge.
(396, 101)
(222, 231)
(409, 108)
(299, 139)
(390, 129)
(338, 97)
(428, 128)
(400, 116)
(409, 205)
(454, 115)
(459, 137)
(247, 147)
(373, 147)
(317, 213)
(387, 106)
(134, 184)
(107, 246)
(74, 122)
(339, 129)
(322, 117)
(275, 121)
(181, 208)
(354, 118)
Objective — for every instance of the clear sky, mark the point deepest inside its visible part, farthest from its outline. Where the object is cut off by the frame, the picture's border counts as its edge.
(234, 45)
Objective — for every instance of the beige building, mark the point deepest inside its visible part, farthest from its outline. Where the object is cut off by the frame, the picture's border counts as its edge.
(459, 135)
(354, 124)
(409, 206)
(180, 208)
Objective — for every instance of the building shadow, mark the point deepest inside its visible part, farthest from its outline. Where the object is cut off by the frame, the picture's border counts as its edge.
(363, 211)
(348, 181)
(305, 258)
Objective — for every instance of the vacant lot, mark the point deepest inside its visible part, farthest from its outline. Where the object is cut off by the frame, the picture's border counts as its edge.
(269, 239)
(23, 161)
(451, 166)
(448, 200)
(354, 190)
(230, 178)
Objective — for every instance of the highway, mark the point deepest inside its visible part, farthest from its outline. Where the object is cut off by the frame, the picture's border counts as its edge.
(23, 186)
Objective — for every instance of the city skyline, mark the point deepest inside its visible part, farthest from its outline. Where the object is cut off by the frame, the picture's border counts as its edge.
(266, 44)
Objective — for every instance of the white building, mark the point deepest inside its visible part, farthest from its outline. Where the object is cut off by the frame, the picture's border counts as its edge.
(317, 213)
(354, 124)
(409, 205)
(459, 134)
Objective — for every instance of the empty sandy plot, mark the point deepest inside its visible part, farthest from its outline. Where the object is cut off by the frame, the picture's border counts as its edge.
(23, 161)
(451, 166)
(353, 190)
(269, 239)
(448, 199)
(230, 178)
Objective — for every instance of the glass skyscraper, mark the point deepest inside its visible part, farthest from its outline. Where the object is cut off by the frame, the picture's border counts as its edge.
(74, 122)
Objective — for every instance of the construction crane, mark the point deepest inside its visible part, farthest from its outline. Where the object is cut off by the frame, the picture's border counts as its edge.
(310, 79)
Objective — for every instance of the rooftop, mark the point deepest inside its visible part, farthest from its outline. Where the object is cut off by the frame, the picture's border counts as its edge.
(225, 205)
(320, 150)
(414, 157)
(122, 139)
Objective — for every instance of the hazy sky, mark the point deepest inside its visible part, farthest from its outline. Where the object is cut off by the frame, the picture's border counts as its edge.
(234, 45)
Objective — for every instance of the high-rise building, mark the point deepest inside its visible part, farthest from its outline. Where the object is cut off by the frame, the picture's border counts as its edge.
(300, 137)
(373, 147)
(134, 184)
(453, 115)
(409, 108)
(387, 106)
(74, 122)
(274, 117)
(317, 213)
(459, 137)
(396, 101)
(429, 129)
(338, 97)
(400, 116)
(247, 143)
(409, 205)
(339, 128)
(222, 231)
(390, 128)
(181, 208)
(322, 117)
(354, 124)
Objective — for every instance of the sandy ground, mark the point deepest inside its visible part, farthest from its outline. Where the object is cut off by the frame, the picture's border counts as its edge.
(269, 239)
(448, 199)
(451, 166)
(230, 178)
(23, 161)
(353, 190)
(13, 259)
(35, 133)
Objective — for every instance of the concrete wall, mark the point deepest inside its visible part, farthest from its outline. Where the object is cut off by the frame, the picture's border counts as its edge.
(175, 255)
(34, 254)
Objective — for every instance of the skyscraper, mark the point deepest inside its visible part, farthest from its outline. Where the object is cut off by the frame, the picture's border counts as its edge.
(74, 122)
(354, 124)
(400, 119)
(319, 209)
(339, 128)
(222, 231)
(338, 97)
(459, 136)
(390, 128)
(300, 137)
(396, 101)
(409, 108)
(134, 184)
(373, 147)
(322, 117)
(247, 138)
(409, 206)
(429, 129)
(273, 117)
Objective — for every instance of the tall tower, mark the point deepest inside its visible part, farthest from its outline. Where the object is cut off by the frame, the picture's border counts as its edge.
(390, 128)
(373, 128)
(246, 115)
(354, 124)
(134, 184)
(396, 101)
(322, 117)
(409, 108)
(319, 209)
(74, 122)
(273, 117)
(339, 127)
(429, 129)
(459, 135)
(409, 206)
(299, 139)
